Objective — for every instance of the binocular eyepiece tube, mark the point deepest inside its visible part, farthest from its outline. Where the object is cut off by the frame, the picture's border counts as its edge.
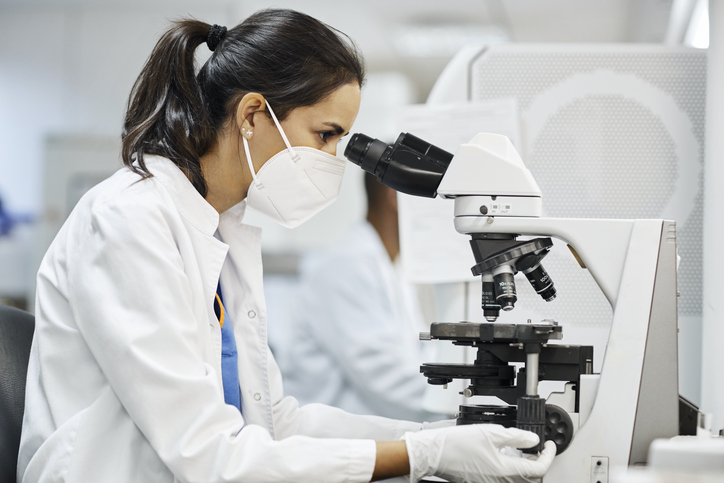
(410, 165)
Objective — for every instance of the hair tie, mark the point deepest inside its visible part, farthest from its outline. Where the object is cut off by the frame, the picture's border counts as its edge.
(216, 33)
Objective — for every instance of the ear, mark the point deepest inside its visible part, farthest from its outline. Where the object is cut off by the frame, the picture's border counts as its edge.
(245, 109)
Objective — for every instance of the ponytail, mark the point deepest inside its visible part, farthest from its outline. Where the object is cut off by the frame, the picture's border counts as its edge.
(166, 114)
(290, 58)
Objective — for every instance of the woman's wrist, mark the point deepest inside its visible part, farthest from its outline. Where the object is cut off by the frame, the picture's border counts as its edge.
(391, 460)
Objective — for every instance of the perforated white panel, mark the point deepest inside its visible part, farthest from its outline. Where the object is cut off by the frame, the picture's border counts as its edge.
(608, 132)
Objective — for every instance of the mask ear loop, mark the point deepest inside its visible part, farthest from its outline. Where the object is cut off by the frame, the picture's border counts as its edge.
(281, 131)
(251, 165)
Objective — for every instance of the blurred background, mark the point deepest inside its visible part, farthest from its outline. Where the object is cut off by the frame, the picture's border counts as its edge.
(67, 66)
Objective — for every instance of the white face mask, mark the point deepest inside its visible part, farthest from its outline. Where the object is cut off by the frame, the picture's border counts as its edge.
(295, 184)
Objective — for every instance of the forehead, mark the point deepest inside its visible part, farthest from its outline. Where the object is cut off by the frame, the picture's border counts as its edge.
(340, 107)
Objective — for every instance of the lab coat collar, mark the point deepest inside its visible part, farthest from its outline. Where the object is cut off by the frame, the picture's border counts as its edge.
(235, 214)
(190, 203)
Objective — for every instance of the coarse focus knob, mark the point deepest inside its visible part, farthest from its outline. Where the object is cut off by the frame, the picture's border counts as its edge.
(532, 417)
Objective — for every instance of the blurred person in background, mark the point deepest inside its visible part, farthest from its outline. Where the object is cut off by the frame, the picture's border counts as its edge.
(355, 325)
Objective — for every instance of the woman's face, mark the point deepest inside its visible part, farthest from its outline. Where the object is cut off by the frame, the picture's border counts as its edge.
(320, 126)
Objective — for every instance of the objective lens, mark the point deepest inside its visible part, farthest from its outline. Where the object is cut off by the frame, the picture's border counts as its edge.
(491, 307)
(504, 285)
(538, 278)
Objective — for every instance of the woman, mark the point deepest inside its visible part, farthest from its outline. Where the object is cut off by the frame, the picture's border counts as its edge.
(153, 283)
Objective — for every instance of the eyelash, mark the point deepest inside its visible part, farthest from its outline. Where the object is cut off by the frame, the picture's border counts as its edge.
(325, 135)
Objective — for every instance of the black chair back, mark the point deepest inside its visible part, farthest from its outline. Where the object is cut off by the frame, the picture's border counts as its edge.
(16, 335)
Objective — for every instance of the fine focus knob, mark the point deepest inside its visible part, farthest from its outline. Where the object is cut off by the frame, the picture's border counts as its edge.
(559, 427)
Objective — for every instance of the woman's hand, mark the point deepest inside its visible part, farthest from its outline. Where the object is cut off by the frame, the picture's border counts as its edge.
(472, 454)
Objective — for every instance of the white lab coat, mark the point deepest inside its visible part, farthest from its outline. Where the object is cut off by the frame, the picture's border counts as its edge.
(124, 382)
(354, 340)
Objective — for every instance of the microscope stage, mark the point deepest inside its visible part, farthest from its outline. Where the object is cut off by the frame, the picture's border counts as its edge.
(494, 332)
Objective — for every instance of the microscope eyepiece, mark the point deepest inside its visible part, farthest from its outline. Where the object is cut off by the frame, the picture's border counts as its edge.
(365, 151)
(410, 165)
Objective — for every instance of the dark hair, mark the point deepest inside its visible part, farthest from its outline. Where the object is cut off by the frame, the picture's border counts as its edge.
(290, 58)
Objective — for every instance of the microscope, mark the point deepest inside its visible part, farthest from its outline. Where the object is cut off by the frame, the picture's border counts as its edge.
(598, 420)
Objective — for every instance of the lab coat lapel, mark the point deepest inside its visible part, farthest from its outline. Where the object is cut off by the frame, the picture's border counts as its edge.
(244, 299)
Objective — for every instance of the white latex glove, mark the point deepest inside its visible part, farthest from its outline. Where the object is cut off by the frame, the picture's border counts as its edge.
(472, 454)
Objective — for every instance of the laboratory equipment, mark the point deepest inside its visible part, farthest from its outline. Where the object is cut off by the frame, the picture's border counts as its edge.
(598, 420)
(609, 131)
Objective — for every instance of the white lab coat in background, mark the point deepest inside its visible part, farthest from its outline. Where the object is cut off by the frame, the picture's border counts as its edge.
(354, 333)
(124, 383)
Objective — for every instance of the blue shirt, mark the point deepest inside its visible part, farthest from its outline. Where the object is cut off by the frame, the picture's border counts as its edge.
(229, 357)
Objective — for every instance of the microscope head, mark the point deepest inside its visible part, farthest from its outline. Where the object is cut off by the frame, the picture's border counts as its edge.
(487, 179)
(487, 166)
(490, 166)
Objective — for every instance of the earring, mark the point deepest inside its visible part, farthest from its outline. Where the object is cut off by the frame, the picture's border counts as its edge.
(246, 132)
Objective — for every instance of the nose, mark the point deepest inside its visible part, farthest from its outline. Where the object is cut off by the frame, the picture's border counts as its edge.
(330, 148)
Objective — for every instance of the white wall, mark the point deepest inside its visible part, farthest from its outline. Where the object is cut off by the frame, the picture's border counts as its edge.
(32, 93)
(68, 70)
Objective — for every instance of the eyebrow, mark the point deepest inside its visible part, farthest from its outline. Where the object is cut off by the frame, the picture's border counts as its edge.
(337, 128)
